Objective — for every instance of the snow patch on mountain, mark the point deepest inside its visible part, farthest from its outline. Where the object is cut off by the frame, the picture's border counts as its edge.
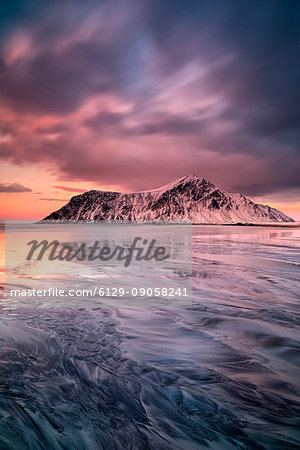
(186, 199)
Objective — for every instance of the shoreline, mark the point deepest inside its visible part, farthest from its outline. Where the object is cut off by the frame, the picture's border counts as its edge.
(238, 224)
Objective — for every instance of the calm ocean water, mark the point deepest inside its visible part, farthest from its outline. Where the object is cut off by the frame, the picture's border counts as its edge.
(219, 372)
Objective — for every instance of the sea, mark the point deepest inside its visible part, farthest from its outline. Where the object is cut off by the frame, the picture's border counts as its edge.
(216, 369)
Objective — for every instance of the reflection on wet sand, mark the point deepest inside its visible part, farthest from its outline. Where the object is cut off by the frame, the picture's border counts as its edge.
(221, 372)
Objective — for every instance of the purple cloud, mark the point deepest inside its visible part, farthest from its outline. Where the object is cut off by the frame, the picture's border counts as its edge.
(13, 187)
(139, 93)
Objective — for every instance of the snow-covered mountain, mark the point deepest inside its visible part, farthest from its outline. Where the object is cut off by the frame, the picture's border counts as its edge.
(189, 199)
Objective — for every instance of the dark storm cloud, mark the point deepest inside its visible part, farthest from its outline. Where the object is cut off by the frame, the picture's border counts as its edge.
(262, 79)
(59, 127)
(106, 120)
(207, 86)
(166, 124)
(58, 82)
(61, 70)
(171, 125)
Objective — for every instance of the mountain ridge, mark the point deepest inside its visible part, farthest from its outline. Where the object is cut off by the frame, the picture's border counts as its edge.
(185, 199)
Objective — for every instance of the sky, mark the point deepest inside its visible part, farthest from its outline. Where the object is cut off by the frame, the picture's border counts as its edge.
(128, 95)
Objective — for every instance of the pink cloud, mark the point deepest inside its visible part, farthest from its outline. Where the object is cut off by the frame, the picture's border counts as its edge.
(69, 189)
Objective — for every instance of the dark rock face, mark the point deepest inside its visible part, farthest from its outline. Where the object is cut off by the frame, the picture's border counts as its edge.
(187, 199)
